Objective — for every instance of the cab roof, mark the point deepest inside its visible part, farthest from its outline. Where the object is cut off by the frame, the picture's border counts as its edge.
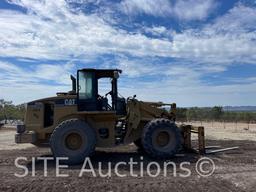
(102, 72)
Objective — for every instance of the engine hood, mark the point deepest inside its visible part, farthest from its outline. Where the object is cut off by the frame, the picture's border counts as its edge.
(55, 99)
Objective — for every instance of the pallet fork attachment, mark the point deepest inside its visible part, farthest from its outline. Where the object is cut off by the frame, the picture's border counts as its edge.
(187, 131)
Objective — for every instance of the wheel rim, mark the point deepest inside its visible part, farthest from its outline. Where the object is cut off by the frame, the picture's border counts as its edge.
(73, 141)
(162, 139)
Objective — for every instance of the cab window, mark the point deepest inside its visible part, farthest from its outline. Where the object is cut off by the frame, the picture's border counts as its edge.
(85, 85)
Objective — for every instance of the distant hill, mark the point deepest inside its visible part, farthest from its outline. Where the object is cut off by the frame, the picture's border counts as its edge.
(240, 108)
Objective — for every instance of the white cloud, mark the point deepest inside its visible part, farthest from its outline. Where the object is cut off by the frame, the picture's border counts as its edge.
(175, 83)
(137, 67)
(35, 73)
(50, 30)
(186, 90)
(159, 31)
(24, 84)
(193, 9)
(151, 7)
(228, 39)
(186, 10)
(240, 19)
(186, 93)
(29, 92)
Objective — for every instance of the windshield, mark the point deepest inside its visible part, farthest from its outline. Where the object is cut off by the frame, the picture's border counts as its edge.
(85, 85)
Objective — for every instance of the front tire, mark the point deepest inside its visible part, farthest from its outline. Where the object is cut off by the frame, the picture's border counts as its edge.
(74, 139)
(161, 138)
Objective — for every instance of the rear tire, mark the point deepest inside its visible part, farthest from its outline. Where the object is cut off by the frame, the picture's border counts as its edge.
(74, 139)
(161, 138)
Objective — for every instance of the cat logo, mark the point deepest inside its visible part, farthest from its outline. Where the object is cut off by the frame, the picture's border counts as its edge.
(69, 102)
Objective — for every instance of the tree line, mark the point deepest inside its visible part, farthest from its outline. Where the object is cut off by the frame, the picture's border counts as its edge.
(214, 114)
(9, 111)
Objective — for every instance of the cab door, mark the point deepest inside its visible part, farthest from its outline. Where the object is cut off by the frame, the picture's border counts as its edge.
(87, 91)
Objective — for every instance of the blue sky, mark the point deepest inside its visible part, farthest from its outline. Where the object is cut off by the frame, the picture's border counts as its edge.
(192, 52)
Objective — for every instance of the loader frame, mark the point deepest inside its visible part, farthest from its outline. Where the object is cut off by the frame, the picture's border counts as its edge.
(121, 122)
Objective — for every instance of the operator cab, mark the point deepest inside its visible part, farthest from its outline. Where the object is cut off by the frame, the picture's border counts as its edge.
(88, 98)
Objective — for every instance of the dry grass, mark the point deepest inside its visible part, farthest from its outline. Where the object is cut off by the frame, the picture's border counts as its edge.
(228, 131)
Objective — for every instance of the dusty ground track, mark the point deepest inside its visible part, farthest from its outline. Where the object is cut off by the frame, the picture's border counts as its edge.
(235, 170)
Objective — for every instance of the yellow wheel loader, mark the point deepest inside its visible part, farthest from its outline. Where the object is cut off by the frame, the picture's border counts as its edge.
(76, 122)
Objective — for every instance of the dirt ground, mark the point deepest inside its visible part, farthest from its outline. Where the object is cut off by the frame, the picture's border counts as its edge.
(235, 169)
